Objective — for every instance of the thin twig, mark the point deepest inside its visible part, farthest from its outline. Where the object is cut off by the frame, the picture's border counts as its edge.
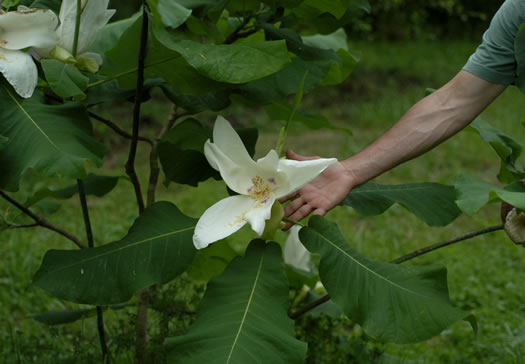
(40, 220)
(404, 258)
(142, 306)
(91, 244)
(116, 129)
(443, 244)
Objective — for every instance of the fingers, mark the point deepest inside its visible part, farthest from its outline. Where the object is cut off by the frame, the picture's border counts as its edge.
(290, 154)
(290, 196)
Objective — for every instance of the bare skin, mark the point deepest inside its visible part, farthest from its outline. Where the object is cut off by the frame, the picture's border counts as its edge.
(428, 123)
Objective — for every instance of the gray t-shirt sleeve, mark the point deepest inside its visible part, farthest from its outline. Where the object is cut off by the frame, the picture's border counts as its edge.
(495, 60)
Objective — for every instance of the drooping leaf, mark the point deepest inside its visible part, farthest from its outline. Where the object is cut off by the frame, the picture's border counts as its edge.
(53, 139)
(392, 303)
(242, 317)
(65, 79)
(69, 316)
(473, 194)
(431, 202)
(181, 152)
(157, 248)
(230, 63)
(507, 148)
(519, 48)
(214, 100)
(64, 317)
(169, 13)
(95, 185)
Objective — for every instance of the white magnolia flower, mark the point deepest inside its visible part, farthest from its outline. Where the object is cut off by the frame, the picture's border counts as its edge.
(295, 253)
(19, 30)
(259, 183)
(95, 14)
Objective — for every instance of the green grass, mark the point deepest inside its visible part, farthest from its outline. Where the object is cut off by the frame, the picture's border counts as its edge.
(485, 274)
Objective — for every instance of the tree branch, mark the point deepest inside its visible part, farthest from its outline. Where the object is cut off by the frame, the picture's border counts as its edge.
(445, 243)
(91, 244)
(404, 258)
(40, 220)
(116, 129)
(142, 306)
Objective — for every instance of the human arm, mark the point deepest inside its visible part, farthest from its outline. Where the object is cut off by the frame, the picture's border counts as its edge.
(426, 124)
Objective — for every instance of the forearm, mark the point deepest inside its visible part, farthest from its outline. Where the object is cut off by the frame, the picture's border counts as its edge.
(428, 123)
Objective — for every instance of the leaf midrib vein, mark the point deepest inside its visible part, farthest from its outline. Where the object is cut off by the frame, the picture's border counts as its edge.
(125, 247)
(246, 310)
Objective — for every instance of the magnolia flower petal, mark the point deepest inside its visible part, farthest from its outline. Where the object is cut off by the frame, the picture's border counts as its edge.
(261, 212)
(222, 219)
(295, 254)
(229, 142)
(29, 28)
(237, 176)
(19, 70)
(300, 173)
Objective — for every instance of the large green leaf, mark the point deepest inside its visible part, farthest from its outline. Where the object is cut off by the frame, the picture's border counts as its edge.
(507, 148)
(157, 248)
(53, 139)
(519, 48)
(242, 317)
(68, 316)
(64, 79)
(121, 64)
(431, 202)
(181, 152)
(473, 194)
(231, 63)
(392, 303)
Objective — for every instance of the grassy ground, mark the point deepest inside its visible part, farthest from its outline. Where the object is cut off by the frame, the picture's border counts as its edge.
(485, 274)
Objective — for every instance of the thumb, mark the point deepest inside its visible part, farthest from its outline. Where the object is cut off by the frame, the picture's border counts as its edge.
(290, 154)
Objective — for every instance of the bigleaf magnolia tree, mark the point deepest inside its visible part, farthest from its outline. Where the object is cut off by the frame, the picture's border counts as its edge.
(59, 59)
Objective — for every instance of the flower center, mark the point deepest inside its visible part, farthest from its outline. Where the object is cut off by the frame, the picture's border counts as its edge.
(260, 190)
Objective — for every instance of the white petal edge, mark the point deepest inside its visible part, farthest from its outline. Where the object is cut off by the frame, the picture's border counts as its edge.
(295, 254)
(28, 28)
(19, 70)
(300, 173)
(222, 219)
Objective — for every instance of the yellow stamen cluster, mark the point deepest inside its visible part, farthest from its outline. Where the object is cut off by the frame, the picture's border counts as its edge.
(260, 190)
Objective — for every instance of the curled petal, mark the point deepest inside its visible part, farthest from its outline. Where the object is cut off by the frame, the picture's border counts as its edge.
(28, 28)
(295, 254)
(229, 142)
(237, 176)
(222, 219)
(300, 173)
(19, 70)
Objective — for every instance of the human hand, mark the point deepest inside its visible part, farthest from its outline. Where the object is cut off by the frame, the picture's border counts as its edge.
(320, 195)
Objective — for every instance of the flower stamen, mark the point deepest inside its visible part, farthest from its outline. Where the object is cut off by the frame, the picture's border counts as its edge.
(260, 190)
